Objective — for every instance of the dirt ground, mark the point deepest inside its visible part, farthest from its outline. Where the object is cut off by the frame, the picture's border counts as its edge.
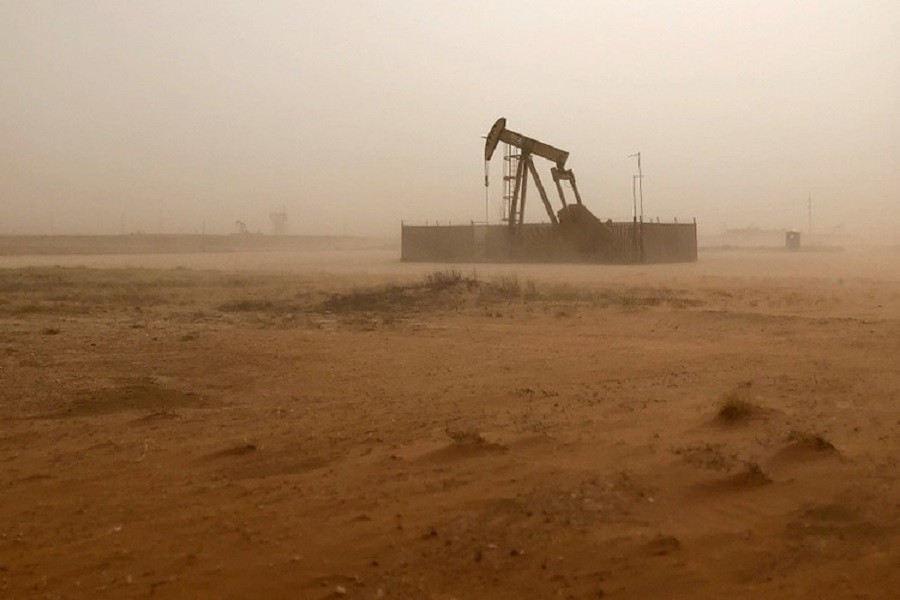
(337, 424)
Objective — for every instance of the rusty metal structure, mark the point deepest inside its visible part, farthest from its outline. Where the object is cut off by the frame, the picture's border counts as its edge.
(577, 230)
(573, 234)
(529, 147)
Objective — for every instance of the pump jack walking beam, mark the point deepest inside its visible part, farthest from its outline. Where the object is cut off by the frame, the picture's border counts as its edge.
(499, 133)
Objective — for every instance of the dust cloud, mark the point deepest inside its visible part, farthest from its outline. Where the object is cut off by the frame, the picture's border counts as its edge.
(182, 117)
(213, 409)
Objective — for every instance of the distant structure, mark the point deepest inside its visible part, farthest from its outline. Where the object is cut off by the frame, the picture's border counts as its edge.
(573, 234)
(279, 222)
(241, 227)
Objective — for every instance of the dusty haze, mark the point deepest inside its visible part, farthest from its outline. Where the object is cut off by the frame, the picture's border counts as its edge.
(185, 116)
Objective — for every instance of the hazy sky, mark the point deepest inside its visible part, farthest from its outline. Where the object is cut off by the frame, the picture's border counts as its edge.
(140, 115)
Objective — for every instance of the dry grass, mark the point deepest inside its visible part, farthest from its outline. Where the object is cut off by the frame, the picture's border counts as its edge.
(464, 436)
(735, 409)
(439, 280)
(170, 292)
(708, 456)
(506, 287)
(57, 290)
(388, 298)
(437, 290)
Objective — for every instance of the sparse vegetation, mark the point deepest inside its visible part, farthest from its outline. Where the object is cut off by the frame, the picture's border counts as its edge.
(638, 298)
(439, 280)
(434, 291)
(735, 409)
(82, 291)
(442, 289)
(387, 298)
(506, 287)
(467, 435)
(708, 456)
(427, 387)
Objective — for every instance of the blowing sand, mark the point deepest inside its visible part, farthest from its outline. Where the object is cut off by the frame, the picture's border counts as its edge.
(336, 424)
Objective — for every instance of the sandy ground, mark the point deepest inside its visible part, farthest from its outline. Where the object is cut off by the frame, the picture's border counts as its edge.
(290, 425)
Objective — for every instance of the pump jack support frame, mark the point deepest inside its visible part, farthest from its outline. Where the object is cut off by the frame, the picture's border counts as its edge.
(528, 147)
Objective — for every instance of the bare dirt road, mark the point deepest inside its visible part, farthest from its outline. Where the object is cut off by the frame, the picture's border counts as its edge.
(336, 424)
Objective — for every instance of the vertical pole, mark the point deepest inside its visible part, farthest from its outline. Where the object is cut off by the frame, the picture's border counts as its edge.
(487, 197)
(640, 177)
(634, 225)
(641, 234)
(641, 185)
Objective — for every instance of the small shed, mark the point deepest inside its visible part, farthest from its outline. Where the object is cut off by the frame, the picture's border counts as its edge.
(792, 240)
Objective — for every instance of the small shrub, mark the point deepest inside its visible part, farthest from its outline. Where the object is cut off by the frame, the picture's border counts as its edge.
(507, 286)
(465, 436)
(439, 280)
(735, 409)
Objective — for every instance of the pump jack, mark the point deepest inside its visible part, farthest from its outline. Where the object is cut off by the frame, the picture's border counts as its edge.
(576, 220)
(528, 147)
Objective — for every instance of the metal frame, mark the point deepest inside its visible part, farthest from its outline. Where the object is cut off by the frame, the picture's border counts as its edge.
(525, 167)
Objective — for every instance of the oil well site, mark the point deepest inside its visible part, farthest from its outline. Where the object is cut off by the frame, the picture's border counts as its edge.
(287, 311)
(578, 408)
(572, 234)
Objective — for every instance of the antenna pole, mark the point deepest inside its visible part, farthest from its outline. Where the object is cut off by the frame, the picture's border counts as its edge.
(640, 178)
(633, 198)
(641, 185)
